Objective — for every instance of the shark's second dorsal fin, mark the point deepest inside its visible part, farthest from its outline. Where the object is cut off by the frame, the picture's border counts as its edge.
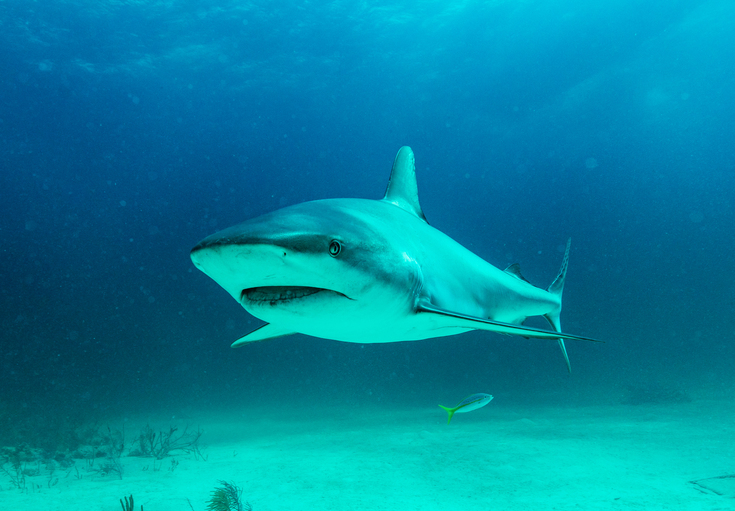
(402, 187)
(515, 270)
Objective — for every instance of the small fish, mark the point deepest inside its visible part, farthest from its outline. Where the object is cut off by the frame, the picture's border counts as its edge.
(468, 404)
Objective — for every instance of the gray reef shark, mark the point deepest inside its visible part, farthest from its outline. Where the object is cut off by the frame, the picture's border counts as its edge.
(371, 271)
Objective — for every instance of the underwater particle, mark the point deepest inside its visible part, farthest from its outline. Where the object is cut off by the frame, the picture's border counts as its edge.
(123, 203)
(696, 216)
(31, 225)
(591, 163)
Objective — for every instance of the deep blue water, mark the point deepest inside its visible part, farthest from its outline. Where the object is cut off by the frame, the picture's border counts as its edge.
(131, 130)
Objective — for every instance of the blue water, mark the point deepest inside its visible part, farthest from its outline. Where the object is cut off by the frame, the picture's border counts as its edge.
(131, 130)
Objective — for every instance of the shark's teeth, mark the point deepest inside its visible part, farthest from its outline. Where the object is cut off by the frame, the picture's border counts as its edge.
(275, 294)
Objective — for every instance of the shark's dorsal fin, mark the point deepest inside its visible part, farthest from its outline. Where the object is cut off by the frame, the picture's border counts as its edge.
(263, 333)
(402, 187)
(515, 270)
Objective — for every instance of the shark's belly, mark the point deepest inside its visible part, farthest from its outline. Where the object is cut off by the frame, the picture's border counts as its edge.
(365, 333)
(332, 316)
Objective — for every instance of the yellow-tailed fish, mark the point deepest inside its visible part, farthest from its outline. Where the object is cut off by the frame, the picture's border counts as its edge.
(468, 404)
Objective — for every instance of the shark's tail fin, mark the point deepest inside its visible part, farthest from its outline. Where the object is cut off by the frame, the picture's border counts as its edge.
(556, 289)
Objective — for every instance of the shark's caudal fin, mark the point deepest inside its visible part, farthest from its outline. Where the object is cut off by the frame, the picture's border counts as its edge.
(403, 191)
(556, 289)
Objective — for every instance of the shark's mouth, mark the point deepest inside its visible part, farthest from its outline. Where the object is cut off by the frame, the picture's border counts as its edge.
(275, 295)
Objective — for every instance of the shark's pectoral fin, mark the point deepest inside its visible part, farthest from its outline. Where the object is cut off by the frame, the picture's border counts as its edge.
(263, 333)
(473, 322)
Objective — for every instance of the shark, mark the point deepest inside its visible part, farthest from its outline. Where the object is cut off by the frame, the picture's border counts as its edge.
(372, 271)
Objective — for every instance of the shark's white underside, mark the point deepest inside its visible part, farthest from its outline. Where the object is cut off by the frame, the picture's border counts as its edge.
(370, 271)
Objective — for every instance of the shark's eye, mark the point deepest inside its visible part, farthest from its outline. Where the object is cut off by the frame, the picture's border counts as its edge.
(335, 247)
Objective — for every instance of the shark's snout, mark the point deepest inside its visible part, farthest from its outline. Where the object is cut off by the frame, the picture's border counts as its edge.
(238, 267)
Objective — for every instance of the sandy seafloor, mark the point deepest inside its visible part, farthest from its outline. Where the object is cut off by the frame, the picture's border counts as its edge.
(499, 457)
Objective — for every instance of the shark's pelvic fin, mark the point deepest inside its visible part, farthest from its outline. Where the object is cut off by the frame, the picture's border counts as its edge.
(472, 322)
(263, 333)
(402, 188)
(556, 288)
